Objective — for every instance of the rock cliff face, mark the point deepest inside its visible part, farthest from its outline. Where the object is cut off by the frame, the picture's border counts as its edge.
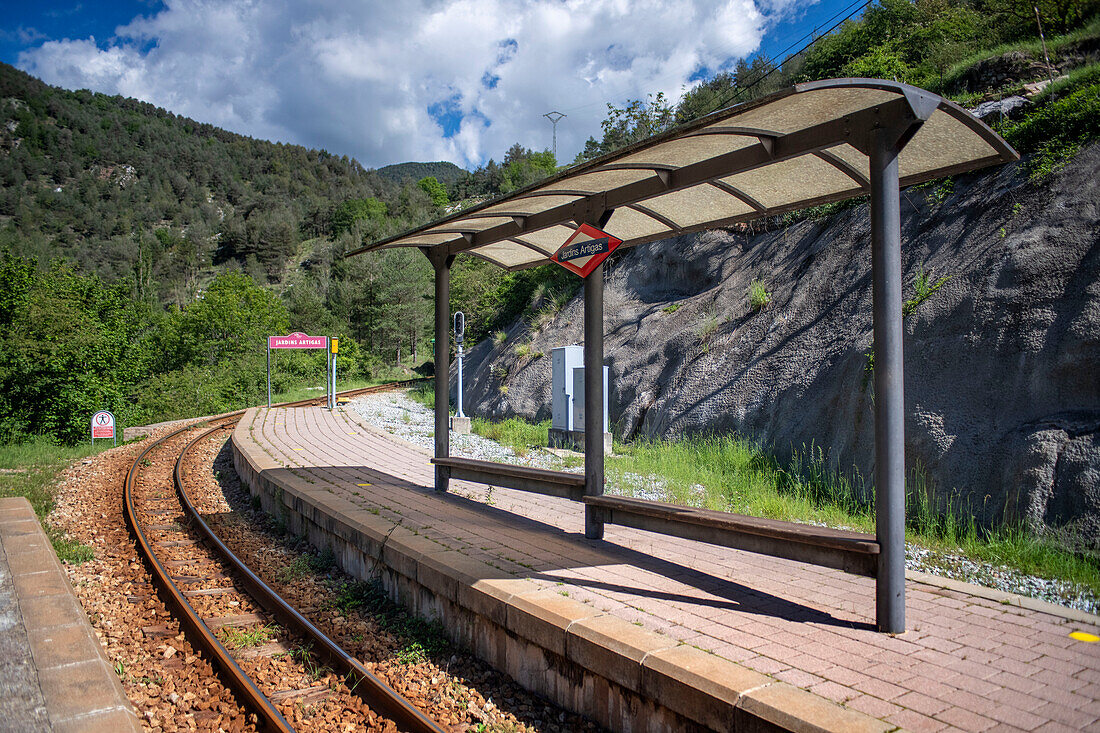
(1002, 362)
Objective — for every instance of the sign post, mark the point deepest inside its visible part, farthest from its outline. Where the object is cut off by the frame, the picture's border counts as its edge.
(460, 334)
(296, 340)
(583, 254)
(103, 426)
(334, 348)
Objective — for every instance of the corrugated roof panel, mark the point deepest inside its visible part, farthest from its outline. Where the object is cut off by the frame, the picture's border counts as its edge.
(687, 150)
(527, 205)
(472, 224)
(599, 180)
(696, 205)
(549, 239)
(799, 179)
(941, 142)
(628, 224)
(854, 158)
(806, 109)
(509, 254)
(416, 239)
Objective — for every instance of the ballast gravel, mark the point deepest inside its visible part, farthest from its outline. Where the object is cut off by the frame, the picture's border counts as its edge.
(398, 414)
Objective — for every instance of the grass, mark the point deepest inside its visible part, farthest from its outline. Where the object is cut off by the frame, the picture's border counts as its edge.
(417, 639)
(1032, 47)
(924, 286)
(304, 392)
(424, 393)
(306, 563)
(244, 638)
(759, 297)
(517, 434)
(32, 469)
(728, 473)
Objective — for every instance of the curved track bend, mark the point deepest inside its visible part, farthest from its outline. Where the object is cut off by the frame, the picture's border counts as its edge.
(187, 545)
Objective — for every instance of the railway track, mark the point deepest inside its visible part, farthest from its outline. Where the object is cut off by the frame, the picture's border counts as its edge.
(216, 598)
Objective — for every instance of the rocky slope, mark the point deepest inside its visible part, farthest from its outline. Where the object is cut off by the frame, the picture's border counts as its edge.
(1002, 362)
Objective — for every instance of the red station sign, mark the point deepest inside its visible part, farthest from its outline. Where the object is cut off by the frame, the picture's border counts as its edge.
(297, 340)
(585, 250)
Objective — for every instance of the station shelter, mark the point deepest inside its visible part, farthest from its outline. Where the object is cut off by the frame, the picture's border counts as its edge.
(808, 145)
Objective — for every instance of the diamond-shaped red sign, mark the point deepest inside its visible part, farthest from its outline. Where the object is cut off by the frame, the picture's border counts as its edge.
(585, 250)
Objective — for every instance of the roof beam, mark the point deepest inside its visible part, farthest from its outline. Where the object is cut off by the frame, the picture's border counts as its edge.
(854, 129)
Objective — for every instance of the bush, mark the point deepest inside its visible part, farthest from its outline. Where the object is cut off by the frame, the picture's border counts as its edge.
(1055, 132)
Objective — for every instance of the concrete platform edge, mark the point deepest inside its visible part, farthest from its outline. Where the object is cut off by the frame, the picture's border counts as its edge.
(623, 676)
(80, 688)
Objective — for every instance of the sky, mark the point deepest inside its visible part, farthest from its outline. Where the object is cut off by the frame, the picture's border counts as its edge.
(389, 82)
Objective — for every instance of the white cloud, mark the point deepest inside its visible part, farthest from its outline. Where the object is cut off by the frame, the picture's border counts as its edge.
(360, 78)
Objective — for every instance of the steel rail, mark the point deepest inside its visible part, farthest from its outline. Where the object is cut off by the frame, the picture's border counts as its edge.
(406, 716)
(231, 673)
(368, 687)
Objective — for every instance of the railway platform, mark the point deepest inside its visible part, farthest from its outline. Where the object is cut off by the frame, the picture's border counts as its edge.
(54, 672)
(645, 631)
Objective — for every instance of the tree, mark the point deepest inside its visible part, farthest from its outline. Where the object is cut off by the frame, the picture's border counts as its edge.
(625, 125)
(355, 211)
(435, 190)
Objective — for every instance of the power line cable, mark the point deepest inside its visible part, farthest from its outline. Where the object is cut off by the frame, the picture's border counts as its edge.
(862, 5)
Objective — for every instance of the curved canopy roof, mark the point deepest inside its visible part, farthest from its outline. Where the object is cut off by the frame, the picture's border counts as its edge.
(804, 146)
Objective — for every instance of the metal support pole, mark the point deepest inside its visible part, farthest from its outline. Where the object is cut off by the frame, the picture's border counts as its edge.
(889, 382)
(333, 357)
(442, 365)
(593, 398)
(328, 373)
(458, 394)
(269, 376)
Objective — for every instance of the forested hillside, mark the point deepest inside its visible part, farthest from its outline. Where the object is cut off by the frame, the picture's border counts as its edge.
(120, 221)
(145, 256)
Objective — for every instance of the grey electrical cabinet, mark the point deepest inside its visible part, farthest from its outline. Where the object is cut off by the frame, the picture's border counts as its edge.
(564, 361)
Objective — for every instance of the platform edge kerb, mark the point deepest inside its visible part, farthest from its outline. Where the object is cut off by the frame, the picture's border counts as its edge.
(59, 635)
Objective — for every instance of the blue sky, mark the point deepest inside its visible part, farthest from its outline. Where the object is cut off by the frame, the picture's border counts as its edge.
(457, 80)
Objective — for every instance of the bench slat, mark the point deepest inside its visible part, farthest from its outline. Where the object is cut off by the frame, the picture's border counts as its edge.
(525, 478)
(852, 552)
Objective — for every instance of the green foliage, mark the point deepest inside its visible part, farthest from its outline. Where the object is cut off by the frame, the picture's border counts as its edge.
(355, 213)
(435, 190)
(69, 345)
(759, 297)
(923, 288)
(32, 469)
(1056, 131)
(625, 125)
(521, 167)
(493, 298)
(515, 433)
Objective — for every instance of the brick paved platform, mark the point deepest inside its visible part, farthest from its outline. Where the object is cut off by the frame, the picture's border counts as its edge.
(53, 672)
(788, 643)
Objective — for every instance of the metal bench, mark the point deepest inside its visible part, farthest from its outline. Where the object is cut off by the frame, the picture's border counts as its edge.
(537, 480)
(852, 552)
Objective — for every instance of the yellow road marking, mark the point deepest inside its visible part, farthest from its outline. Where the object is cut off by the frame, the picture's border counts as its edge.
(1085, 636)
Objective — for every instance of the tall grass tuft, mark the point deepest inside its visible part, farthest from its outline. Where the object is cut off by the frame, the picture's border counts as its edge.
(517, 434)
(32, 469)
(759, 297)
